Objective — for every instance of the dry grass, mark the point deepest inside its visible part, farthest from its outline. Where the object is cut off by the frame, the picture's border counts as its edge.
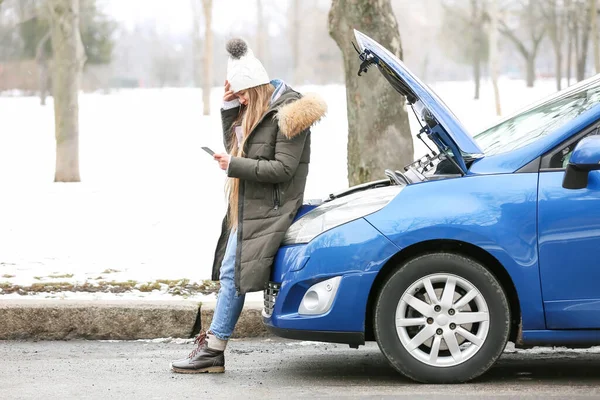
(60, 276)
(110, 271)
(148, 287)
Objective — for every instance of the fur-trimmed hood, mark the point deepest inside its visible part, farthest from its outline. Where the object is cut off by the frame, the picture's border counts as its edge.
(296, 112)
(299, 115)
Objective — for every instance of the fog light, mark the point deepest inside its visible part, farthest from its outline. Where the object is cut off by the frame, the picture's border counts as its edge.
(319, 298)
(311, 300)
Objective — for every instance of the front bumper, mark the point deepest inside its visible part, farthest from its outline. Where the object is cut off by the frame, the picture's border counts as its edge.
(355, 252)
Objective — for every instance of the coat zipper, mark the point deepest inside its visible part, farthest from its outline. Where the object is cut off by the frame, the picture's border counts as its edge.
(276, 196)
(238, 251)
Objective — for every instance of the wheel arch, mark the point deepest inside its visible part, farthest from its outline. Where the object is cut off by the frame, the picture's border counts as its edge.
(449, 246)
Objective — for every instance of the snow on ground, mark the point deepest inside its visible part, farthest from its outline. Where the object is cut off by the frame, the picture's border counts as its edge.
(155, 295)
(151, 201)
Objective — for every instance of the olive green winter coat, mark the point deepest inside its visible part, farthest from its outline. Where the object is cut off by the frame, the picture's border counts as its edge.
(272, 180)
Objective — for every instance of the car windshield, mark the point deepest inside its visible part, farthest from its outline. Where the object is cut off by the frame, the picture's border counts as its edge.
(540, 120)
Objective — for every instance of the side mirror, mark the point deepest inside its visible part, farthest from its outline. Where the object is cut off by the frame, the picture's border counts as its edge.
(585, 158)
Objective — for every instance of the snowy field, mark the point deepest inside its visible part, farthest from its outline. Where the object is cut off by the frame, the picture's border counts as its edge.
(151, 201)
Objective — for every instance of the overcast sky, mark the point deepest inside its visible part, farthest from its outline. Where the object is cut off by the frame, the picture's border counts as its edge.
(174, 16)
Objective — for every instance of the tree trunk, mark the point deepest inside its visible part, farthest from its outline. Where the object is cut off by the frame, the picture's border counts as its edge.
(569, 59)
(570, 39)
(260, 35)
(196, 43)
(558, 68)
(530, 70)
(582, 59)
(69, 58)
(43, 76)
(493, 56)
(585, 39)
(580, 69)
(379, 135)
(554, 26)
(577, 41)
(295, 24)
(594, 22)
(477, 77)
(476, 47)
(42, 63)
(563, 27)
(208, 56)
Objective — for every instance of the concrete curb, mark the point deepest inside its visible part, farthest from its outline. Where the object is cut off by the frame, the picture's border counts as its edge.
(115, 320)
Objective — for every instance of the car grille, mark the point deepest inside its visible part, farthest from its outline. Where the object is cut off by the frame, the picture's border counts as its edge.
(270, 294)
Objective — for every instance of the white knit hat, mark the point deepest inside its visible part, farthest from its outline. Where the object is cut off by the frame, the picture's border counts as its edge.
(243, 69)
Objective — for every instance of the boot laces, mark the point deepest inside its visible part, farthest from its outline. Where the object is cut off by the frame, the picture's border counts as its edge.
(200, 341)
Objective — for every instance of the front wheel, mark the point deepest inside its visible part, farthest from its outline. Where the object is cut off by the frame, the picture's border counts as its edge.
(442, 318)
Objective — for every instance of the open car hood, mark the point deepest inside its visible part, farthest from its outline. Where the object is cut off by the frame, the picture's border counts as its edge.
(441, 125)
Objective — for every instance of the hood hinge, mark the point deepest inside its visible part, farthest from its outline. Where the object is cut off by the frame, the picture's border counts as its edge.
(367, 59)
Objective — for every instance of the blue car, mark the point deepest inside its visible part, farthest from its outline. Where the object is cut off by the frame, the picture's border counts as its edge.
(487, 239)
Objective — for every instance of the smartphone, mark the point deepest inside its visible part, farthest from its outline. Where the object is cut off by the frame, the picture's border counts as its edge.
(208, 150)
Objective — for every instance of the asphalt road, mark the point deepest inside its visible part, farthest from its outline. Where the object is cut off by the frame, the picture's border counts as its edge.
(270, 368)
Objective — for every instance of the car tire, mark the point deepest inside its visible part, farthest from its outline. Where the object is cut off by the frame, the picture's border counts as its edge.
(446, 356)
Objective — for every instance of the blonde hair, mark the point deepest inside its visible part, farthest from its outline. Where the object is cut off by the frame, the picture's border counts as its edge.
(250, 116)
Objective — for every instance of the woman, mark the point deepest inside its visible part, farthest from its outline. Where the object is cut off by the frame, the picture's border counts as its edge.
(266, 131)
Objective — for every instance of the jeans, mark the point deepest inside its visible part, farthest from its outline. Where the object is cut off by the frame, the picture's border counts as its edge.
(229, 305)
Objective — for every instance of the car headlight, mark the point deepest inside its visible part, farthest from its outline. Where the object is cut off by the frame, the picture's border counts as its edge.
(338, 212)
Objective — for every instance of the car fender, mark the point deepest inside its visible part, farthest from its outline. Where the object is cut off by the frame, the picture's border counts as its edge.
(496, 213)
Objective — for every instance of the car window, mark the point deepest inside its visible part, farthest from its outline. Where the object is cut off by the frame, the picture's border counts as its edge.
(561, 158)
(538, 121)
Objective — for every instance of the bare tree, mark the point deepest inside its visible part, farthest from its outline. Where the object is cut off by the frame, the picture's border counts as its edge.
(477, 31)
(69, 57)
(260, 31)
(41, 57)
(570, 38)
(529, 14)
(295, 37)
(556, 21)
(196, 42)
(581, 31)
(208, 55)
(379, 134)
(594, 22)
(465, 35)
(493, 53)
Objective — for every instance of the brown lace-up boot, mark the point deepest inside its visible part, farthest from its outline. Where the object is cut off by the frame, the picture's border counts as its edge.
(207, 357)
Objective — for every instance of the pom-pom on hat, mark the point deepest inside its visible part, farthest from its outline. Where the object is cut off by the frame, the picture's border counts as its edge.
(243, 69)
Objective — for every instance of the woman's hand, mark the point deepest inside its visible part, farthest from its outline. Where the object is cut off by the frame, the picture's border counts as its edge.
(228, 96)
(223, 160)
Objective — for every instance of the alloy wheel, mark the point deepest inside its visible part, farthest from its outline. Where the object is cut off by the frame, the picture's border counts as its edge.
(442, 320)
